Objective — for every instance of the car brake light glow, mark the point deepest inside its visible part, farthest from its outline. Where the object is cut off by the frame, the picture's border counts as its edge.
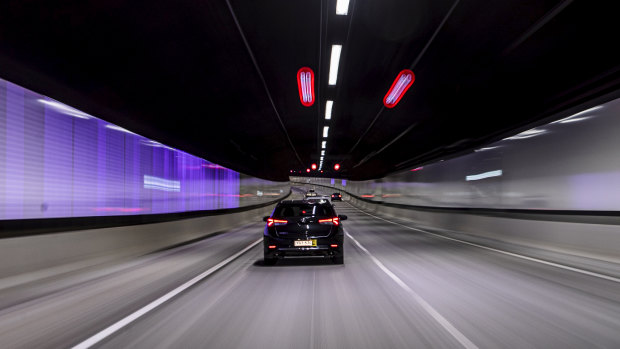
(272, 246)
(333, 245)
(401, 84)
(336, 167)
(271, 221)
(305, 84)
(313, 166)
(331, 221)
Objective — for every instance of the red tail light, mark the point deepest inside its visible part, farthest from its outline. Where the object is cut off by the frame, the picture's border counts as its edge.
(331, 221)
(305, 84)
(333, 245)
(272, 246)
(401, 84)
(271, 222)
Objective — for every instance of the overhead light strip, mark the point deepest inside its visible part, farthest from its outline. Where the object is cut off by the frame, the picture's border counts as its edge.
(342, 7)
(328, 110)
(333, 64)
(323, 144)
(325, 131)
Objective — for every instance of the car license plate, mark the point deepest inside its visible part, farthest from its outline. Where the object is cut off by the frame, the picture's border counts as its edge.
(305, 243)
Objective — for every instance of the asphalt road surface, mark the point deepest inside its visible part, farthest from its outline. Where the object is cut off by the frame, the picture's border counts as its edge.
(398, 288)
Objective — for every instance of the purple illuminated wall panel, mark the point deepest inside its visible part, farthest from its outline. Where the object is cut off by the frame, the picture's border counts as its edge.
(56, 161)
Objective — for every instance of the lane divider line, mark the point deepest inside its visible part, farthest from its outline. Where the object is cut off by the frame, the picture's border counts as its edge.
(159, 301)
(460, 337)
(531, 259)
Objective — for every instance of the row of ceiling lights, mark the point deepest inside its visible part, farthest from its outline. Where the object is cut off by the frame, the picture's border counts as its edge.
(305, 84)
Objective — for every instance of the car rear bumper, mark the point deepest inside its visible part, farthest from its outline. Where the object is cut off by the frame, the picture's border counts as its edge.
(285, 248)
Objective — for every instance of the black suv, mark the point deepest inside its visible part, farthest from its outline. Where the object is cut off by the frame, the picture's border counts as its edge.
(302, 228)
(336, 197)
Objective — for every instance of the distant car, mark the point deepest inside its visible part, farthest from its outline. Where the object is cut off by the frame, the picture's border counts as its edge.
(310, 193)
(318, 198)
(302, 228)
(336, 197)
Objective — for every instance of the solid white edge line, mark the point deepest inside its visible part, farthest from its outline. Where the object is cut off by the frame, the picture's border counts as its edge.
(154, 304)
(531, 259)
(465, 342)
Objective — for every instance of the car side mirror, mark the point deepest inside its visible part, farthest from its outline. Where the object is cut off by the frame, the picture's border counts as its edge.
(342, 217)
(265, 218)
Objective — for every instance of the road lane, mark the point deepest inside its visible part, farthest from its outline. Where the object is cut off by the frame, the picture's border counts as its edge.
(494, 300)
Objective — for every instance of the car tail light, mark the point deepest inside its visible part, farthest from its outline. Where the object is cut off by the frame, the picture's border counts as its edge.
(305, 84)
(401, 84)
(271, 222)
(330, 221)
(272, 246)
(339, 196)
(333, 245)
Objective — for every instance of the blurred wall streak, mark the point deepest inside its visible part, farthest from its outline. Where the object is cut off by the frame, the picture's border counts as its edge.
(57, 161)
(551, 192)
(569, 164)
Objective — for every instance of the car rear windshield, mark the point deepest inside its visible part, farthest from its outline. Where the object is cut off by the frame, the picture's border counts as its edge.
(299, 210)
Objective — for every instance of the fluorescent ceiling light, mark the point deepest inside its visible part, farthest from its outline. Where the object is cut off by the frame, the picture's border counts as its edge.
(484, 175)
(65, 109)
(322, 152)
(565, 120)
(118, 128)
(527, 134)
(325, 131)
(573, 119)
(342, 7)
(333, 64)
(323, 144)
(328, 110)
(487, 148)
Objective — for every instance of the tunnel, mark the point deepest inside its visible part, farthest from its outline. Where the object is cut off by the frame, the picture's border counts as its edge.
(309, 174)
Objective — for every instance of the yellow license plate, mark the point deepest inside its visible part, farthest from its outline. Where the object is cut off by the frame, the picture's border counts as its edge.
(305, 243)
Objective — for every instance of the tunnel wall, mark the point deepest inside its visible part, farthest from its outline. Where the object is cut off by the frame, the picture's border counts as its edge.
(76, 191)
(554, 187)
(57, 161)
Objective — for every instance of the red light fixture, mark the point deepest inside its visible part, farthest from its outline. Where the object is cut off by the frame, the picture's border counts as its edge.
(305, 84)
(336, 167)
(401, 84)
(313, 167)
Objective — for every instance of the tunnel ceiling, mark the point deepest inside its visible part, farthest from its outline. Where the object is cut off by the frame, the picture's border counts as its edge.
(218, 79)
